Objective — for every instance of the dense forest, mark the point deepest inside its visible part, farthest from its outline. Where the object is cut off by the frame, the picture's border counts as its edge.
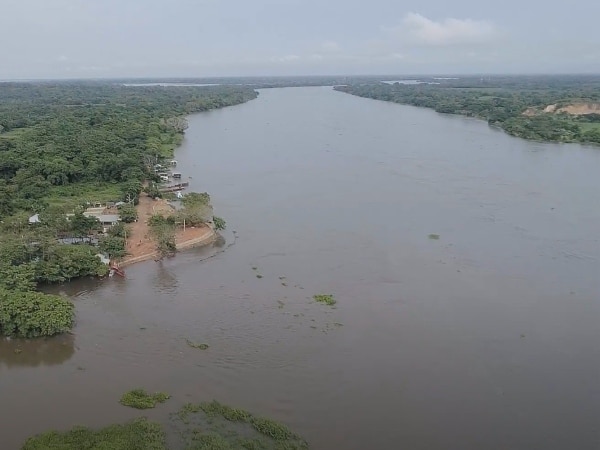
(64, 146)
(560, 108)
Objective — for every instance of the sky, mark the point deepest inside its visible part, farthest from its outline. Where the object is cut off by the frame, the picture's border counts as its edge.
(208, 38)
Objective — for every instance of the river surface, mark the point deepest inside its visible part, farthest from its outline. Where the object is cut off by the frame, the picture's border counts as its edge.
(484, 338)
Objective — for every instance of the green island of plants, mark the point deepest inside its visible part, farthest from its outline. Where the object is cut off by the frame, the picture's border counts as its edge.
(139, 434)
(326, 299)
(140, 399)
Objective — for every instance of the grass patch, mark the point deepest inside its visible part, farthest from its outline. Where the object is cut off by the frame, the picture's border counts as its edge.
(434, 237)
(73, 195)
(140, 399)
(200, 346)
(327, 299)
(136, 435)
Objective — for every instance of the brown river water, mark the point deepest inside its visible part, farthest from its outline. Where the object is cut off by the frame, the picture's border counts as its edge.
(486, 338)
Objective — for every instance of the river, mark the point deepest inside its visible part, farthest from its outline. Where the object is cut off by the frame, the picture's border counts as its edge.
(465, 262)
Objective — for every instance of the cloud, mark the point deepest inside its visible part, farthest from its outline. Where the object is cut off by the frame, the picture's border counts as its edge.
(330, 47)
(287, 58)
(423, 30)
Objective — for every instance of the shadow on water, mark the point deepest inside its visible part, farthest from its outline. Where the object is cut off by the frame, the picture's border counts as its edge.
(36, 352)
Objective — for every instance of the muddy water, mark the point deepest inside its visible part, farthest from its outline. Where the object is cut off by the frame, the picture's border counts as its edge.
(486, 338)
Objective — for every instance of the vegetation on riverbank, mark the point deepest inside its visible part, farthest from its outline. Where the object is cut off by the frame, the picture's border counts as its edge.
(559, 108)
(66, 146)
(207, 425)
(196, 210)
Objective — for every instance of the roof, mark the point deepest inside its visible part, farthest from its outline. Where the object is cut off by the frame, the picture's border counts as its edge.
(109, 218)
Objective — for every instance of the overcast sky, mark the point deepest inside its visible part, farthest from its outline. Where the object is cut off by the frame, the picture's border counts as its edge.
(196, 38)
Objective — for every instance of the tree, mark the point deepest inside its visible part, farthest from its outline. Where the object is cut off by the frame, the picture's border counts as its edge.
(113, 246)
(34, 314)
(131, 191)
(128, 213)
(83, 226)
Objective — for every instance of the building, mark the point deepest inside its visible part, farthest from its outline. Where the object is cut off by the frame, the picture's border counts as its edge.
(108, 220)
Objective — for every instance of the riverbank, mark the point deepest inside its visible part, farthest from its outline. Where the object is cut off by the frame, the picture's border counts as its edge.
(140, 243)
(565, 113)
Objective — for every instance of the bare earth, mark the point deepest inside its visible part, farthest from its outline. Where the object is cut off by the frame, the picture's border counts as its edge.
(141, 246)
(575, 109)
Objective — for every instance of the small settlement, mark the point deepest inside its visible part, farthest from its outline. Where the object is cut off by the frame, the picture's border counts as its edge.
(108, 214)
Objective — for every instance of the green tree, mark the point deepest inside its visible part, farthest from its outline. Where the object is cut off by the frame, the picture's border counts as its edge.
(33, 314)
(128, 213)
(113, 246)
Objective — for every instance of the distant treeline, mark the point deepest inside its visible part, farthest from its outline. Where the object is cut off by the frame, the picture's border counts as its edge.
(60, 134)
(516, 104)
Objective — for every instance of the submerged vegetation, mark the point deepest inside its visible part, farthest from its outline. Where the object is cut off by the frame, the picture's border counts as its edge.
(140, 399)
(544, 108)
(200, 346)
(207, 425)
(65, 146)
(224, 427)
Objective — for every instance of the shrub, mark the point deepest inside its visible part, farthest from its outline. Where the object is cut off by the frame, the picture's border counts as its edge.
(220, 223)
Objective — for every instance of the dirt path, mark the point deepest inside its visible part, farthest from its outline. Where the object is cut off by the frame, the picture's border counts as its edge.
(141, 246)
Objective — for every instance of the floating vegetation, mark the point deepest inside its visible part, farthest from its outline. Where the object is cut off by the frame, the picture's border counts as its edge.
(327, 299)
(337, 324)
(280, 304)
(434, 237)
(136, 435)
(212, 425)
(140, 399)
(282, 278)
(258, 275)
(200, 346)
(254, 268)
(284, 284)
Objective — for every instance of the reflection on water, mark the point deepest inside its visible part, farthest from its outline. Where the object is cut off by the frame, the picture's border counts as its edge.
(36, 352)
(165, 280)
